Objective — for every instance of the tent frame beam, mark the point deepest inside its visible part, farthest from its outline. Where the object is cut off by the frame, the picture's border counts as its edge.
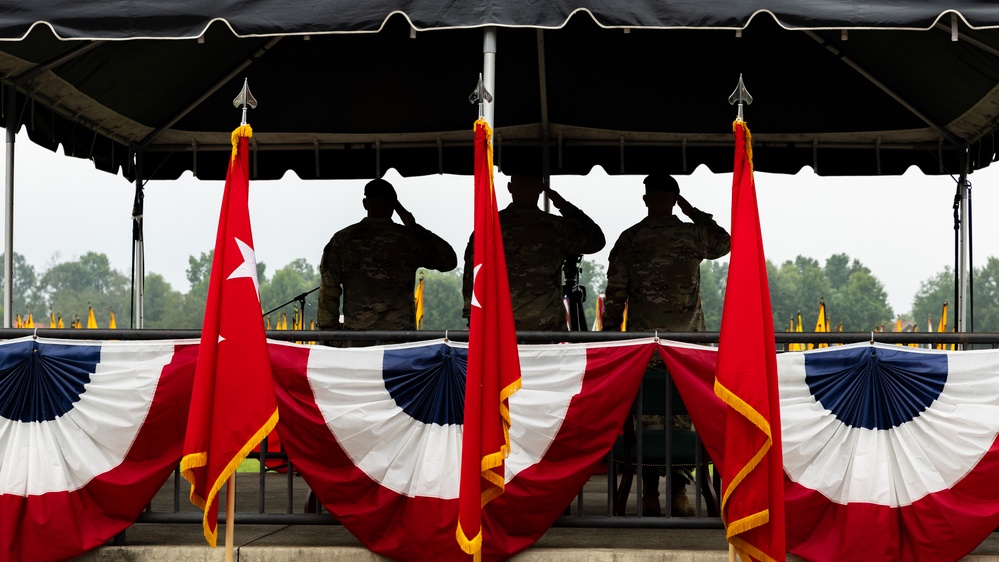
(145, 142)
(954, 139)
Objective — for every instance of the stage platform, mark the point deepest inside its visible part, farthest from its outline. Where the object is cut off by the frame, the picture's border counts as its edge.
(168, 542)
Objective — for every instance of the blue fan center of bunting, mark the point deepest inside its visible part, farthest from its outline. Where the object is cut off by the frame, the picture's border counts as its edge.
(40, 382)
(875, 388)
(428, 383)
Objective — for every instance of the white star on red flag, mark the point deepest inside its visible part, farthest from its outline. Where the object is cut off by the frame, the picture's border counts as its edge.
(249, 266)
(475, 277)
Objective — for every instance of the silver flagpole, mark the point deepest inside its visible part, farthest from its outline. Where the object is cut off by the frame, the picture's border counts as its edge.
(8, 258)
(489, 74)
(961, 308)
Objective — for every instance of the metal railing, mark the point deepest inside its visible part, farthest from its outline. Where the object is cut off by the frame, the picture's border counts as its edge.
(297, 506)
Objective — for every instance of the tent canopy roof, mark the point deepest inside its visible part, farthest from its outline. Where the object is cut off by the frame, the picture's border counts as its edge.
(187, 19)
(351, 89)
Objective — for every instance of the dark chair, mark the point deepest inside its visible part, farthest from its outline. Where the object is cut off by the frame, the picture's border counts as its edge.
(686, 449)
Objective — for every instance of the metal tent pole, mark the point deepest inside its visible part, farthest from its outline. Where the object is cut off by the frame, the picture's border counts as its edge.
(960, 319)
(138, 252)
(10, 107)
(489, 73)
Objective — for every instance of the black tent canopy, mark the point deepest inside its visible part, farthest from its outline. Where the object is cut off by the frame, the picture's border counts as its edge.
(351, 89)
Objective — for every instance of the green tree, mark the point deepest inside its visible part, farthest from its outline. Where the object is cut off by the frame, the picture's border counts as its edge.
(714, 275)
(442, 300)
(861, 304)
(290, 281)
(26, 295)
(797, 287)
(191, 313)
(594, 277)
(939, 289)
(70, 288)
(198, 271)
(931, 296)
(838, 270)
(986, 297)
(853, 295)
(162, 305)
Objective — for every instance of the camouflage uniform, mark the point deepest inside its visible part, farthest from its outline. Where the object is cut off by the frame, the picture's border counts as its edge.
(655, 268)
(375, 262)
(535, 244)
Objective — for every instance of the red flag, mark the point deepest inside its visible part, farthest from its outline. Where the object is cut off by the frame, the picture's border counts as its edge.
(746, 380)
(233, 406)
(493, 373)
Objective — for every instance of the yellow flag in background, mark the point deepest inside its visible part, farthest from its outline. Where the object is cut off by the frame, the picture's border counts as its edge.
(52, 320)
(298, 321)
(18, 323)
(943, 326)
(59, 323)
(418, 298)
(914, 330)
(111, 323)
(624, 319)
(797, 328)
(30, 322)
(598, 317)
(91, 321)
(820, 324)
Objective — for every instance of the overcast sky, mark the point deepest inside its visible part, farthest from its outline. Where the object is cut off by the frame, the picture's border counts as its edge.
(901, 227)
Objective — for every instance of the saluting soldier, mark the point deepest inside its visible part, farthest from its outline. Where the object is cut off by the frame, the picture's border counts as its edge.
(655, 268)
(373, 265)
(655, 265)
(535, 244)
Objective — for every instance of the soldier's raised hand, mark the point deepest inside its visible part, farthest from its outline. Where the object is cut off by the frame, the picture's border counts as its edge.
(684, 205)
(555, 198)
(407, 218)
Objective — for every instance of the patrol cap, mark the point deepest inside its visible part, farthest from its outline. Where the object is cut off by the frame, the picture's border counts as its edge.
(380, 189)
(662, 183)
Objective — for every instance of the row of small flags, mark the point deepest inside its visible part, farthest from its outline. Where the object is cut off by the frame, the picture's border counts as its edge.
(297, 323)
(29, 322)
(823, 324)
(298, 320)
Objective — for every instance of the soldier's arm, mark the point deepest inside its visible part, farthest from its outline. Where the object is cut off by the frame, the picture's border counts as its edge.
(714, 239)
(467, 277)
(436, 252)
(328, 314)
(616, 294)
(583, 236)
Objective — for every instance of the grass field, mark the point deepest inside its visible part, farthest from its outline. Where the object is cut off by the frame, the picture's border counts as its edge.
(249, 465)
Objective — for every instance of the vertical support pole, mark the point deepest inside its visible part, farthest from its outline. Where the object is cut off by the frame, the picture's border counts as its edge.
(138, 251)
(8, 258)
(545, 131)
(961, 310)
(489, 73)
